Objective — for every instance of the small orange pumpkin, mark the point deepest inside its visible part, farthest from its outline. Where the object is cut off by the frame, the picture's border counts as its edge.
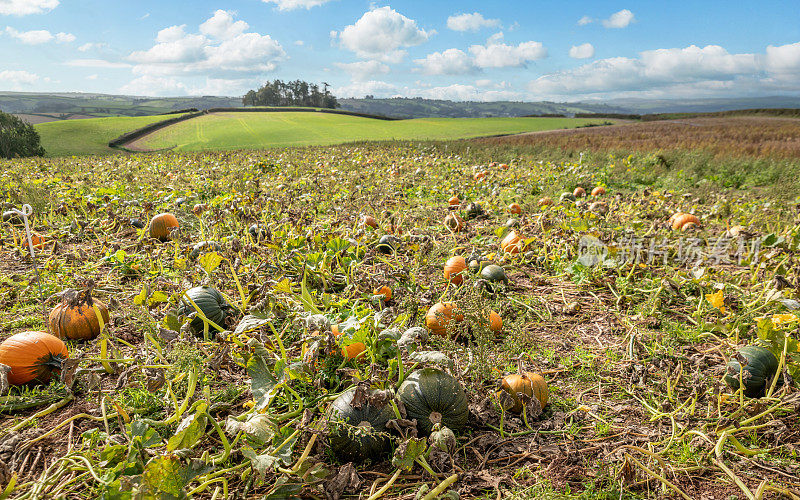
(453, 268)
(529, 383)
(37, 240)
(514, 208)
(199, 209)
(512, 243)
(579, 192)
(370, 221)
(78, 322)
(495, 322)
(383, 290)
(356, 350)
(680, 220)
(545, 202)
(33, 357)
(439, 315)
(162, 225)
(454, 201)
(454, 222)
(504, 166)
(479, 175)
(598, 191)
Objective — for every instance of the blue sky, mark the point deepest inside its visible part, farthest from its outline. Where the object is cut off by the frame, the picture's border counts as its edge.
(466, 50)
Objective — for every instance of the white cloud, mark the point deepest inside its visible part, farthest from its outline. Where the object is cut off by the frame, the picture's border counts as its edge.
(222, 26)
(381, 33)
(37, 37)
(460, 92)
(449, 62)
(153, 86)
(65, 37)
(96, 63)
(619, 19)
(17, 78)
(582, 51)
(299, 43)
(496, 54)
(471, 22)
(709, 70)
(92, 77)
(226, 52)
(86, 47)
(26, 7)
(360, 89)
(296, 4)
(585, 20)
(363, 70)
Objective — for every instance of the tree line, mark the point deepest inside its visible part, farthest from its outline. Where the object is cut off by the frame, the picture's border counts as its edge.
(296, 93)
(18, 138)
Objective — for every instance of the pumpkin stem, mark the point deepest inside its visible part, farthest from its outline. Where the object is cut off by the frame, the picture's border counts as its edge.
(55, 362)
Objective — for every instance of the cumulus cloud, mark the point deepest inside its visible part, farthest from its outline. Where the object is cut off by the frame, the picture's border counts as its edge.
(582, 51)
(26, 7)
(36, 37)
(360, 89)
(363, 70)
(222, 26)
(296, 4)
(221, 49)
(619, 19)
(448, 62)
(18, 78)
(148, 85)
(470, 22)
(709, 70)
(381, 34)
(497, 54)
(585, 20)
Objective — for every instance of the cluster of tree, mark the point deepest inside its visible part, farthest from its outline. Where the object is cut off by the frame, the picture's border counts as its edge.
(296, 93)
(18, 138)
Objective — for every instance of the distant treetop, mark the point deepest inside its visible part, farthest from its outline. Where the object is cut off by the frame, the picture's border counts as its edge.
(296, 93)
(18, 138)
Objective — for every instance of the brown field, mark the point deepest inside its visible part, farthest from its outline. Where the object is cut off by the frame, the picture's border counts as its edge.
(728, 136)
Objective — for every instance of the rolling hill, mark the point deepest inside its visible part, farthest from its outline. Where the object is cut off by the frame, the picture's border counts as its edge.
(229, 130)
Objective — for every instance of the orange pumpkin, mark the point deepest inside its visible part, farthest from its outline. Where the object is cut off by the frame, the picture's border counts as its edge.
(512, 243)
(439, 315)
(514, 208)
(356, 350)
(33, 357)
(199, 209)
(492, 164)
(454, 201)
(162, 225)
(680, 220)
(579, 192)
(545, 202)
(453, 268)
(495, 322)
(479, 175)
(504, 166)
(77, 323)
(37, 240)
(385, 291)
(370, 221)
(598, 191)
(529, 383)
(454, 222)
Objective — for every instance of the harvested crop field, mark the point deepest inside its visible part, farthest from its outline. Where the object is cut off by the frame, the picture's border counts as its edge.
(321, 266)
(728, 136)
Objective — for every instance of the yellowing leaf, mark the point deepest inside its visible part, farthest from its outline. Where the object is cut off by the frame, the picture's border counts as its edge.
(717, 300)
(780, 320)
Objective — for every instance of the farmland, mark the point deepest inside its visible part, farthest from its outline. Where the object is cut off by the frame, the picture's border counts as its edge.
(630, 323)
(88, 136)
(259, 130)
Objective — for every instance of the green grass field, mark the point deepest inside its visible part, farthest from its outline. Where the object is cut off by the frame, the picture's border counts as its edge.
(261, 130)
(89, 136)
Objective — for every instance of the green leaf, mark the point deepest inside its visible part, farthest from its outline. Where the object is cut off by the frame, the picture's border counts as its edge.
(190, 430)
(250, 323)
(306, 299)
(408, 452)
(284, 286)
(263, 382)
(158, 298)
(141, 298)
(210, 261)
(261, 463)
(164, 476)
(120, 255)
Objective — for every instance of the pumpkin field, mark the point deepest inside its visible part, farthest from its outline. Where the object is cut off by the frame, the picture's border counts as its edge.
(394, 320)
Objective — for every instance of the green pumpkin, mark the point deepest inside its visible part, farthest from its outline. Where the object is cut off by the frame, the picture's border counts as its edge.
(210, 301)
(494, 274)
(432, 396)
(205, 247)
(257, 232)
(387, 244)
(756, 375)
(566, 197)
(358, 433)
